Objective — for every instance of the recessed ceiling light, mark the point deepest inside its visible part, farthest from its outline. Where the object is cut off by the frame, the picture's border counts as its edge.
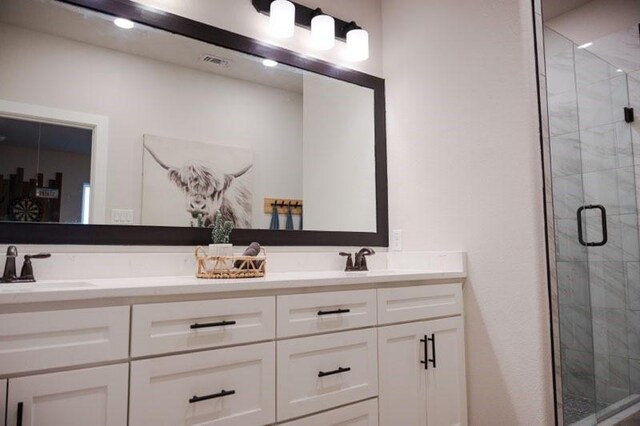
(619, 70)
(123, 23)
(584, 46)
(269, 63)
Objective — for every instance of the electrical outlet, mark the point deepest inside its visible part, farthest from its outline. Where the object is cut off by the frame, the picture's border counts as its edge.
(122, 216)
(396, 240)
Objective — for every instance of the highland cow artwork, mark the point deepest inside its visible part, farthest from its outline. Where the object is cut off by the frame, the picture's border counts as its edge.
(185, 183)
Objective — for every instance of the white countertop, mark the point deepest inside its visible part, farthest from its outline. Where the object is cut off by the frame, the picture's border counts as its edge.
(59, 291)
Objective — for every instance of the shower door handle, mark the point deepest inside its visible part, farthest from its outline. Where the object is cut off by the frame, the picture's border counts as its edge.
(603, 217)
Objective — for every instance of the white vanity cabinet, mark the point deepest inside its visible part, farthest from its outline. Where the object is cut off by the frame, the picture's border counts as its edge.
(422, 373)
(88, 397)
(348, 354)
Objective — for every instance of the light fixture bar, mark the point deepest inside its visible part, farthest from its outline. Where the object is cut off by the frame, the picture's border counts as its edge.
(304, 15)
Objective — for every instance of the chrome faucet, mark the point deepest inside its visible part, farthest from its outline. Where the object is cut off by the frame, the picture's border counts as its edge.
(360, 263)
(26, 273)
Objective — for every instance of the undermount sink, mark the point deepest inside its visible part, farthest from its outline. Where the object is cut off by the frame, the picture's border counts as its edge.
(17, 287)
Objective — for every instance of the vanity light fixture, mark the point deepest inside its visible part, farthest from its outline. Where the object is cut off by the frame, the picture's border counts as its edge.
(282, 18)
(357, 43)
(584, 46)
(123, 23)
(269, 63)
(323, 31)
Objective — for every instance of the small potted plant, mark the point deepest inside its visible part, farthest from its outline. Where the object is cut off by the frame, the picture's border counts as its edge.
(220, 233)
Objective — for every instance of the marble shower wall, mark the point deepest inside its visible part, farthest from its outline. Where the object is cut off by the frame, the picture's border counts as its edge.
(593, 162)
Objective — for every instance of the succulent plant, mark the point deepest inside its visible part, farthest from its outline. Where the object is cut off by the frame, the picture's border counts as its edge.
(221, 229)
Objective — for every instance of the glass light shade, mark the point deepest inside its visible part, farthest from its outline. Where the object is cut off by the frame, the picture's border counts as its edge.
(123, 23)
(323, 32)
(358, 45)
(282, 18)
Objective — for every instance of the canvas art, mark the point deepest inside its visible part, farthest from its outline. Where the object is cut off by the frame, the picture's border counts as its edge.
(185, 183)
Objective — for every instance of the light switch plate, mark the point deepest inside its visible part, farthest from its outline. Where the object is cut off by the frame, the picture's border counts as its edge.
(122, 216)
(396, 240)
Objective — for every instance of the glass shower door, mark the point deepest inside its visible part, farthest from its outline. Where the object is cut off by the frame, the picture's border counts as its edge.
(596, 219)
(611, 228)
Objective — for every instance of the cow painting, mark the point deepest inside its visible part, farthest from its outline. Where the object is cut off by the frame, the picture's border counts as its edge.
(208, 191)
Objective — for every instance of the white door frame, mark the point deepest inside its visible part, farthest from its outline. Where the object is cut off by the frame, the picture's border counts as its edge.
(99, 124)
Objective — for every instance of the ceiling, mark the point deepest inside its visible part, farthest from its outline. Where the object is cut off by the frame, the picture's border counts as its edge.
(553, 8)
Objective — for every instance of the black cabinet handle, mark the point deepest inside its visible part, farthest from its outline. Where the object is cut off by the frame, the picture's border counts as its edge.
(335, 311)
(433, 349)
(212, 396)
(212, 324)
(19, 415)
(428, 360)
(425, 343)
(331, 373)
(603, 218)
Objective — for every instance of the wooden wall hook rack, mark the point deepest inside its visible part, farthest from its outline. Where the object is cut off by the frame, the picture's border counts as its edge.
(283, 205)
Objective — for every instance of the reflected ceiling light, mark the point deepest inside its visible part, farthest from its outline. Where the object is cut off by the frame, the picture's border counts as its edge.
(619, 70)
(357, 43)
(584, 46)
(282, 18)
(269, 63)
(323, 31)
(123, 23)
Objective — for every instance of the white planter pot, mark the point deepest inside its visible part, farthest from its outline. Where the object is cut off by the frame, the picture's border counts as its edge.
(222, 250)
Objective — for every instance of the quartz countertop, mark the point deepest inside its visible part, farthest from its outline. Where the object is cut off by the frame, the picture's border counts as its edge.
(60, 291)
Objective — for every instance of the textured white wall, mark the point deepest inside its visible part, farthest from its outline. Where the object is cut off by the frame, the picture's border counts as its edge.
(241, 17)
(465, 174)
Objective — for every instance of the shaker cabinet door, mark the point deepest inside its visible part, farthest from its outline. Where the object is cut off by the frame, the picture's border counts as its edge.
(422, 373)
(402, 379)
(446, 383)
(90, 397)
(3, 400)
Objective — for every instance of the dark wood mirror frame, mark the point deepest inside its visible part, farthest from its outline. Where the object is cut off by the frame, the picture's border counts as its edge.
(53, 233)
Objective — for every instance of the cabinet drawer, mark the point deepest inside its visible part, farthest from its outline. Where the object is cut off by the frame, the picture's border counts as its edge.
(232, 386)
(322, 312)
(420, 302)
(41, 340)
(89, 397)
(321, 372)
(172, 327)
(360, 414)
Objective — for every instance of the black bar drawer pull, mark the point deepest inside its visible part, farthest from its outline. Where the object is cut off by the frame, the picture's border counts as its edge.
(212, 324)
(19, 414)
(603, 218)
(212, 396)
(331, 373)
(335, 311)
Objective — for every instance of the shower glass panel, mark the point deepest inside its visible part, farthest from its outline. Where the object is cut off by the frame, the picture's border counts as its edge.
(596, 218)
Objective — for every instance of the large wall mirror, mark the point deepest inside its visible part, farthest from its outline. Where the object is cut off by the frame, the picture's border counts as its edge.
(112, 135)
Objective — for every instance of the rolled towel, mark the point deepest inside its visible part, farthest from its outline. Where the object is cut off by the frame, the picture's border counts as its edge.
(252, 250)
(289, 224)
